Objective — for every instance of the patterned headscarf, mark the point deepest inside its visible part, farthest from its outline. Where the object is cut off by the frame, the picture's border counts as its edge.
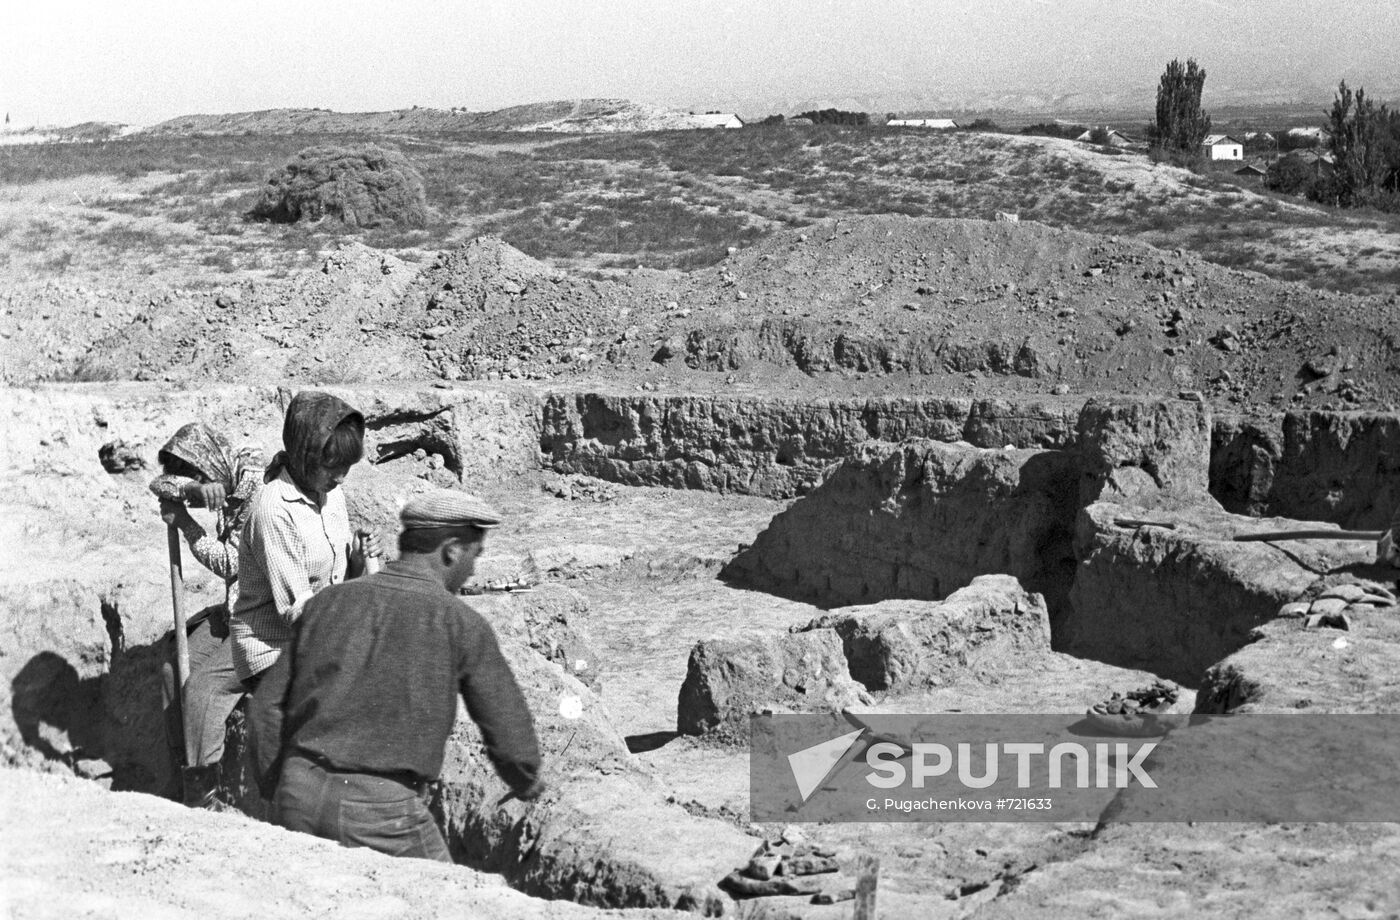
(311, 417)
(204, 449)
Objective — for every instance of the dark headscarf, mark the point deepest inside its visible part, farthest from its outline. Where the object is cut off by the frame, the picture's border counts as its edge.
(206, 450)
(311, 417)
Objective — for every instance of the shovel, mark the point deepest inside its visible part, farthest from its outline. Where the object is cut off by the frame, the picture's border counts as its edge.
(164, 489)
(177, 601)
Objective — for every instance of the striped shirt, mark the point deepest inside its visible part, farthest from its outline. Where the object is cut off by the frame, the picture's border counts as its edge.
(291, 548)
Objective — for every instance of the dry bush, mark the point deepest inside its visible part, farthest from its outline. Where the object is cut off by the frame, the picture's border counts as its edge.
(363, 186)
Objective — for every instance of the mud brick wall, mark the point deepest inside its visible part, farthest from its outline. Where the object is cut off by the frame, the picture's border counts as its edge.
(771, 447)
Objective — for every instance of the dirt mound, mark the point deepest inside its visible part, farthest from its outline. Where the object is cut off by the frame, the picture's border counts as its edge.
(996, 301)
(488, 310)
(872, 305)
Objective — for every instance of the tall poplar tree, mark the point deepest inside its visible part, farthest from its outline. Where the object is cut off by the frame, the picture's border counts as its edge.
(1365, 147)
(1181, 124)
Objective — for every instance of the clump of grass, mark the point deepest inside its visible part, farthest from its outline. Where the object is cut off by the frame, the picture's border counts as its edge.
(86, 370)
(361, 186)
(60, 261)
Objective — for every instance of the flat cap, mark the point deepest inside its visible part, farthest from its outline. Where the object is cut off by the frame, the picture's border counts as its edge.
(447, 508)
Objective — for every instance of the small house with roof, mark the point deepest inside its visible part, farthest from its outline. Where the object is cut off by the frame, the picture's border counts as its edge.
(1112, 137)
(1223, 147)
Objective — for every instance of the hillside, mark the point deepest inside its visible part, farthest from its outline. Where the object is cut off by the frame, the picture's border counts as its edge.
(581, 116)
(169, 210)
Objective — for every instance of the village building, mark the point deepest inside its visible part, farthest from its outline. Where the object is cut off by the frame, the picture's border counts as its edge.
(1113, 138)
(1310, 133)
(717, 120)
(1223, 147)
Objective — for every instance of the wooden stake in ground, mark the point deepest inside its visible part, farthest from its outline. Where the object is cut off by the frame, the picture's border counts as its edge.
(867, 876)
(177, 601)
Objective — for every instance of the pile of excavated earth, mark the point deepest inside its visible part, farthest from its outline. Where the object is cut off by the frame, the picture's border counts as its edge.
(878, 466)
(872, 305)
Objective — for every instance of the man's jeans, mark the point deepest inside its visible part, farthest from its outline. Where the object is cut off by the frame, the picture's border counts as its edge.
(357, 810)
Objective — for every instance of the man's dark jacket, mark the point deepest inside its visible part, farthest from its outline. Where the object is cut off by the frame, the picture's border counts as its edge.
(370, 682)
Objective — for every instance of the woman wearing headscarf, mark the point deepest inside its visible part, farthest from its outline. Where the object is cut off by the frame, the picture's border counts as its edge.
(200, 469)
(297, 539)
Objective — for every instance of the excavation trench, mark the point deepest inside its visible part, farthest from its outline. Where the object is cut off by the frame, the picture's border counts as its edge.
(913, 498)
(825, 503)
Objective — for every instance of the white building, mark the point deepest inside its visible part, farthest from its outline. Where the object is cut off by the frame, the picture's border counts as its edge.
(939, 124)
(1312, 133)
(717, 120)
(1223, 147)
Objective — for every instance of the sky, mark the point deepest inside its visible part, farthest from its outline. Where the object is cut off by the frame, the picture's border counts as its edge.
(143, 61)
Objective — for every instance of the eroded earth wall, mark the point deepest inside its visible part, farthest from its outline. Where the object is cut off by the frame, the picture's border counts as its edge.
(1342, 467)
(920, 520)
(773, 447)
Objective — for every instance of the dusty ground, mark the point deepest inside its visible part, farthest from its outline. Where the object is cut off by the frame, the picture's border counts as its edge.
(645, 562)
(72, 849)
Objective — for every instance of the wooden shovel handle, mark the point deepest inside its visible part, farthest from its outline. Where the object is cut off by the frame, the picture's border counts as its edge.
(177, 601)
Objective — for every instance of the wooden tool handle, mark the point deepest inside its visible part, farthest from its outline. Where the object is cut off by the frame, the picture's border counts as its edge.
(177, 602)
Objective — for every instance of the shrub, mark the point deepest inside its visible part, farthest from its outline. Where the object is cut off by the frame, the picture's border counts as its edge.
(1291, 175)
(363, 186)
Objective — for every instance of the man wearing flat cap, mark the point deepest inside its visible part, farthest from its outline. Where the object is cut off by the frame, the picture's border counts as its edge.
(352, 721)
